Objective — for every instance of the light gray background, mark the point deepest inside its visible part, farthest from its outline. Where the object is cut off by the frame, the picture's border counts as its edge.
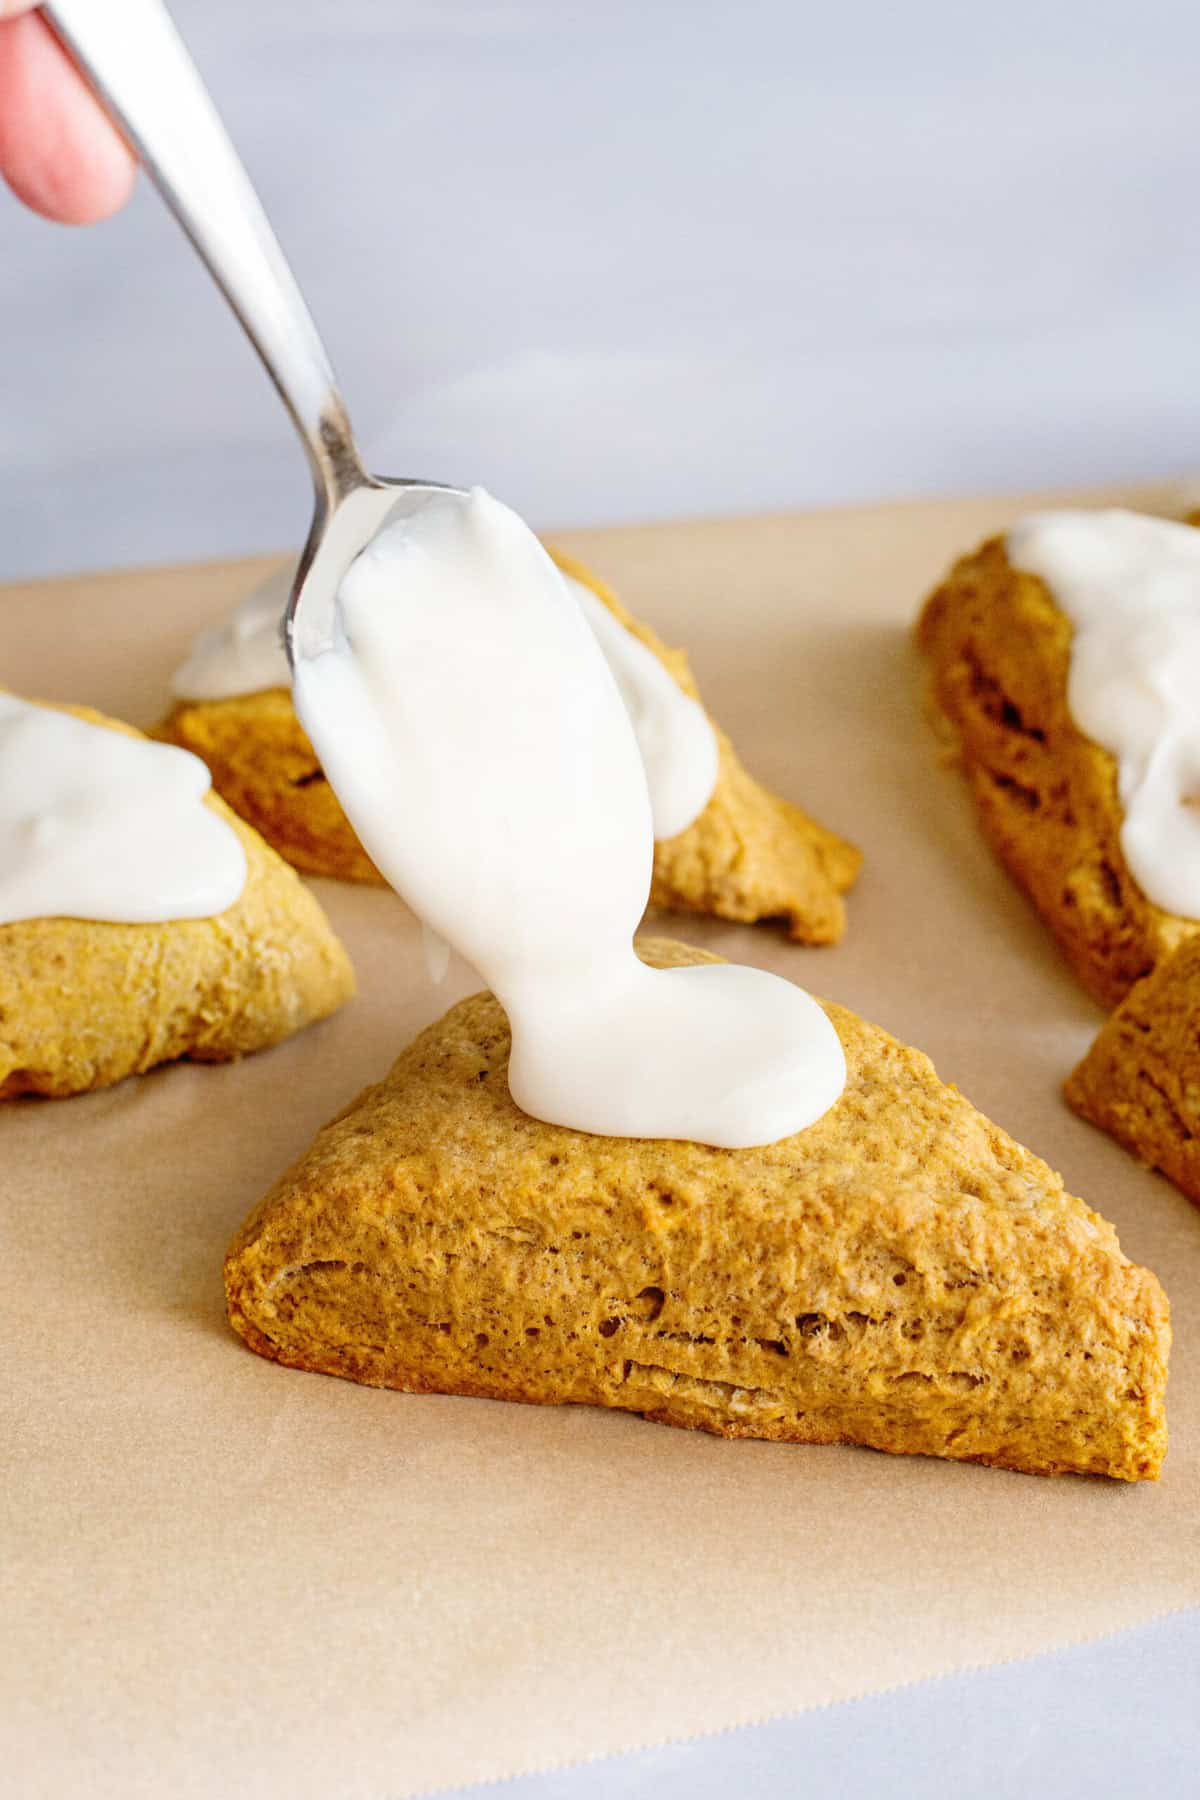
(637, 259)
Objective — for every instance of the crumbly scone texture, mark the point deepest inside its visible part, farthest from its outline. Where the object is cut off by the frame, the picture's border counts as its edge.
(999, 650)
(900, 1275)
(84, 1003)
(1141, 1078)
(750, 855)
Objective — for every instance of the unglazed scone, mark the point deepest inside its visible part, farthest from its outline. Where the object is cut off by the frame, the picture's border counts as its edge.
(750, 855)
(83, 1003)
(999, 650)
(900, 1275)
(1141, 1078)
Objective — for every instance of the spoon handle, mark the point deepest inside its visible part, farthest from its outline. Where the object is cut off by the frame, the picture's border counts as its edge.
(131, 53)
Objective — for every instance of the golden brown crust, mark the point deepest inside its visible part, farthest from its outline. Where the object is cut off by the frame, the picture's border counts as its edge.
(265, 768)
(83, 1004)
(900, 1275)
(1047, 795)
(1141, 1078)
(750, 855)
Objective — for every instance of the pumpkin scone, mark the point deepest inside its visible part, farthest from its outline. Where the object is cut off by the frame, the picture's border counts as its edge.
(84, 1003)
(749, 855)
(900, 1275)
(1141, 1078)
(1000, 651)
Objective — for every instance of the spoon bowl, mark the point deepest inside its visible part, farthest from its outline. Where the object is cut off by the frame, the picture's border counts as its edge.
(340, 532)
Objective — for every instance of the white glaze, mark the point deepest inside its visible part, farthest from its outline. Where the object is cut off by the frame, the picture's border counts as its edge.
(244, 654)
(1130, 585)
(436, 952)
(98, 825)
(677, 743)
(478, 743)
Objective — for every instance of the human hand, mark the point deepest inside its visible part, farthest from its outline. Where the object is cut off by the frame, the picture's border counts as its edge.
(59, 152)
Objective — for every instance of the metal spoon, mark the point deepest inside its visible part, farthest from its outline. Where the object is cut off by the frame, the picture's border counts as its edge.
(135, 59)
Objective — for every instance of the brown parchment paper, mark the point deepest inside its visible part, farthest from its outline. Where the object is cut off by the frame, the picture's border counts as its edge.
(222, 1577)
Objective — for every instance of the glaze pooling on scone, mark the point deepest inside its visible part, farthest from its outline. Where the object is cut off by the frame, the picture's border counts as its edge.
(98, 824)
(477, 740)
(244, 654)
(1130, 585)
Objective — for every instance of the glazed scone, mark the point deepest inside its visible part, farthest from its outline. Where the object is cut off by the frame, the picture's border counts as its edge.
(84, 1003)
(750, 855)
(1141, 1078)
(900, 1275)
(999, 650)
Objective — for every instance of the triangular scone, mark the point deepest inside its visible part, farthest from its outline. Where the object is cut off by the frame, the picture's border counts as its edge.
(1047, 795)
(83, 1004)
(750, 855)
(900, 1275)
(1141, 1078)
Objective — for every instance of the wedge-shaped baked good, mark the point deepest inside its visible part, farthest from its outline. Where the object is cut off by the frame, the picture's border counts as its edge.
(1141, 1078)
(1047, 795)
(83, 1003)
(900, 1275)
(750, 855)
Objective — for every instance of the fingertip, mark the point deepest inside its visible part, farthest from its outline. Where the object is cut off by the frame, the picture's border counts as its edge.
(87, 192)
(59, 152)
(77, 196)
